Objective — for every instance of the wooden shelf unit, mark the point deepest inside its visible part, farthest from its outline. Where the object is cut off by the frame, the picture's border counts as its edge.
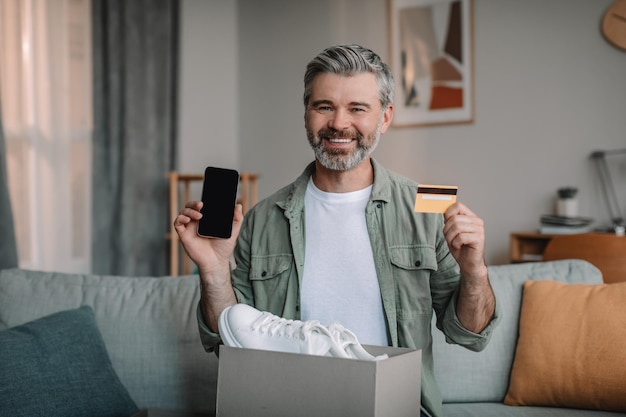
(607, 251)
(527, 246)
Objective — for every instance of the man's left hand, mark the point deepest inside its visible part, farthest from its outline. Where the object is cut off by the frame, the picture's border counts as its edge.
(465, 233)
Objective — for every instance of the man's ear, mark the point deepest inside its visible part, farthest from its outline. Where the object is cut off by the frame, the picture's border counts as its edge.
(387, 118)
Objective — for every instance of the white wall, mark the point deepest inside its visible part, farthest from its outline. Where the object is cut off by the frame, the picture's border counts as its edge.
(548, 91)
(208, 82)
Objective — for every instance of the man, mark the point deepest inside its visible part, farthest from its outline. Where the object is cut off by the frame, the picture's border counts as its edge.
(367, 260)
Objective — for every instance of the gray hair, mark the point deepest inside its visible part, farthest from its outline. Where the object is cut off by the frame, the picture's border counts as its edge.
(350, 60)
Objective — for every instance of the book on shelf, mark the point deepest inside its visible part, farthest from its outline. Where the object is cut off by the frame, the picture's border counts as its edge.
(551, 219)
(532, 257)
(550, 229)
(561, 225)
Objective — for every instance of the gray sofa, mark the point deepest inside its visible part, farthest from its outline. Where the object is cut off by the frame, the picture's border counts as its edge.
(150, 332)
(475, 384)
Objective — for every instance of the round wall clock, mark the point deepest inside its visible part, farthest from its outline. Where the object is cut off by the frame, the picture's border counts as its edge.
(614, 24)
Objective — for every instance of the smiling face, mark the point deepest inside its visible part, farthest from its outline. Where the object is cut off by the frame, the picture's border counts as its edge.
(344, 119)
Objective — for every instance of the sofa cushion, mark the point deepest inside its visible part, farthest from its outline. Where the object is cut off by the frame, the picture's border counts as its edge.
(570, 351)
(58, 366)
(501, 410)
(148, 325)
(466, 376)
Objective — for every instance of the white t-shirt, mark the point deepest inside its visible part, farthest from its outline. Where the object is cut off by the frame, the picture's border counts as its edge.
(340, 282)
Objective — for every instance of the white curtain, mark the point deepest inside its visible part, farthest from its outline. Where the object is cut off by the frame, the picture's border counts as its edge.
(45, 87)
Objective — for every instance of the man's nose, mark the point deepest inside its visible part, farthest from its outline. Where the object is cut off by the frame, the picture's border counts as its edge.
(340, 120)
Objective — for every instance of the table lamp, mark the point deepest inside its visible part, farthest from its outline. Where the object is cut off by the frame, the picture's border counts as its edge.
(609, 189)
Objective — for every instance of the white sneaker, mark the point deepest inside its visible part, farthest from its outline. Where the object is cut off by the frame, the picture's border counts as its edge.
(241, 325)
(350, 344)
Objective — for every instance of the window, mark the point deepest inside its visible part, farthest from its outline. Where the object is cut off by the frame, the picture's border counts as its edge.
(45, 92)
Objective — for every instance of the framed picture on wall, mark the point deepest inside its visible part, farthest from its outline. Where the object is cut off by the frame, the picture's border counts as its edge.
(431, 44)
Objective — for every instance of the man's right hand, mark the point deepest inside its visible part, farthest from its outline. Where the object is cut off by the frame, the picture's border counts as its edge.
(209, 254)
(212, 256)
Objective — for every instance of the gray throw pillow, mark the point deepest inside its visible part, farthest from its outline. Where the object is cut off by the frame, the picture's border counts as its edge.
(58, 365)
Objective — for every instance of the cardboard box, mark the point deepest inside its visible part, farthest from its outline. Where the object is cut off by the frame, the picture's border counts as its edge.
(258, 383)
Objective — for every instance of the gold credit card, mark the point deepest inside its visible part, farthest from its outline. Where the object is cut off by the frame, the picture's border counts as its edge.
(435, 198)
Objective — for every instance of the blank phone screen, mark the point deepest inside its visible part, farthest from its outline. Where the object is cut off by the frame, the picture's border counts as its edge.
(219, 196)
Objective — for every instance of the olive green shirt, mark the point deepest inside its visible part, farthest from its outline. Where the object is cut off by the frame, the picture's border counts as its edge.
(416, 272)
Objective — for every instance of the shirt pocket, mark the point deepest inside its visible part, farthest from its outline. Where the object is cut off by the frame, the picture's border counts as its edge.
(270, 280)
(412, 266)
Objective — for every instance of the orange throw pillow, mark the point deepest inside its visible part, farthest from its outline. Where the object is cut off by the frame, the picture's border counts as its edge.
(571, 350)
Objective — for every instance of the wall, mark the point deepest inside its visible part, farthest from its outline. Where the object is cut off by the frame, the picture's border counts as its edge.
(208, 116)
(549, 90)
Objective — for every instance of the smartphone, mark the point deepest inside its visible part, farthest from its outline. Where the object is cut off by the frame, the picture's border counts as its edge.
(219, 196)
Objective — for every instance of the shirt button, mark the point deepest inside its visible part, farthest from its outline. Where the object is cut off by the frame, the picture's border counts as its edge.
(264, 273)
(418, 263)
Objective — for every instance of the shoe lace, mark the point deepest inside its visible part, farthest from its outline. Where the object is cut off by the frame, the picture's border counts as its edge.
(278, 326)
(343, 342)
(349, 343)
(342, 336)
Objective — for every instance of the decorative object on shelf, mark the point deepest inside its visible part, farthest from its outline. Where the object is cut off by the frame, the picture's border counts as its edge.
(432, 61)
(618, 226)
(614, 24)
(567, 203)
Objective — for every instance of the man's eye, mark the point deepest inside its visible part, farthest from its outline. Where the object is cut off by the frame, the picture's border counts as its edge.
(358, 109)
(323, 108)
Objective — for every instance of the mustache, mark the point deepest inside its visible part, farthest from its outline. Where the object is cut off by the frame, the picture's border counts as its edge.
(338, 134)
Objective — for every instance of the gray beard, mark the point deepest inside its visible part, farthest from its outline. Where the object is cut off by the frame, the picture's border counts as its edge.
(338, 160)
